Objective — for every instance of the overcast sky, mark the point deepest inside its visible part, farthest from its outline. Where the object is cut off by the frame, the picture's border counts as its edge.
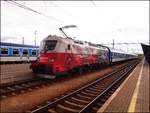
(97, 21)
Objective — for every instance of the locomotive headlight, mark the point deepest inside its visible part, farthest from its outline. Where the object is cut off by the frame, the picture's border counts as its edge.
(50, 60)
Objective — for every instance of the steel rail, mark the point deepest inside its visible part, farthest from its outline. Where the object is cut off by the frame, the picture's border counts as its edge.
(86, 108)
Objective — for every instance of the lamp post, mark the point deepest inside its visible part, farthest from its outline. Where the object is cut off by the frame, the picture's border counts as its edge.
(113, 44)
(23, 40)
(35, 37)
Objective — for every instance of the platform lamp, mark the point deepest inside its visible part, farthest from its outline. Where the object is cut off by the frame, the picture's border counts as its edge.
(35, 33)
(35, 37)
(23, 40)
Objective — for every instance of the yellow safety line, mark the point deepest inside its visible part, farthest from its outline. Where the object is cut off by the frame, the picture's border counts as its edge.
(132, 105)
(114, 95)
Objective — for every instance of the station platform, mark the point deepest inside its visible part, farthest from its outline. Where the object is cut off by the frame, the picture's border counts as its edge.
(11, 73)
(133, 94)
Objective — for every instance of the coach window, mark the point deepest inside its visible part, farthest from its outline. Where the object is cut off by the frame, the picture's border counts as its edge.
(15, 52)
(113, 54)
(68, 46)
(33, 52)
(4, 51)
(25, 52)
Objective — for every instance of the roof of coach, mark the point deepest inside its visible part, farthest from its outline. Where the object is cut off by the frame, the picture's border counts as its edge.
(120, 51)
(16, 45)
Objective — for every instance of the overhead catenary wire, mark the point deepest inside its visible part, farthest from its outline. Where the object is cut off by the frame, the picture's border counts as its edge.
(33, 10)
(73, 17)
(94, 4)
(125, 43)
(64, 10)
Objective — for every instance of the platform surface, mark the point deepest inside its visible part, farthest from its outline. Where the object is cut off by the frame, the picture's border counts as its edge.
(133, 94)
(10, 73)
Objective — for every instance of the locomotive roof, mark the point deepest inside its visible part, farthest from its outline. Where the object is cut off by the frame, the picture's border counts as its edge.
(67, 40)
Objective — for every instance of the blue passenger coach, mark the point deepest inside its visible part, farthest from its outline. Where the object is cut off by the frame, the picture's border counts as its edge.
(117, 55)
(11, 52)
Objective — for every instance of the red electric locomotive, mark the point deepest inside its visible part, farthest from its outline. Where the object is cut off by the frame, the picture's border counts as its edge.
(60, 55)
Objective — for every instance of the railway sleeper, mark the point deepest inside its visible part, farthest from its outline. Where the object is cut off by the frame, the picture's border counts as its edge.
(13, 94)
(95, 108)
(89, 94)
(18, 87)
(74, 104)
(10, 88)
(98, 87)
(111, 92)
(99, 104)
(93, 92)
(25, 85)
(30, 89)
(52, 110)
(83, 96)
(114, 88)
(37, 87)
(63, 109)
(31, 84)
(103, 100)
(94, 89)
(106, 96)
(3, 96)
(71, 105)
(80, 100)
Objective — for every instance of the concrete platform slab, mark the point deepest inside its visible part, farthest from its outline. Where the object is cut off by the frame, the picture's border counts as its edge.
(10, 73)
(133, 94)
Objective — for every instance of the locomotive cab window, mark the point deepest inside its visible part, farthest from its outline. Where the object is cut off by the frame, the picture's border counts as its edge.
(49, 45)
(15, 51)
(4, 51)
(33, 52)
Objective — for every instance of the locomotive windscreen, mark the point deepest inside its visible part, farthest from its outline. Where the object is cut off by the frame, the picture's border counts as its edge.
(48, 45)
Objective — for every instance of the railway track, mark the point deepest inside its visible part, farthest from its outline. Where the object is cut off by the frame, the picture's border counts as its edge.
(90, 97)
(21, 87)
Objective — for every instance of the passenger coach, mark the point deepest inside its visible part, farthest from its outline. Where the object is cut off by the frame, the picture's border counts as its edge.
(11, 52)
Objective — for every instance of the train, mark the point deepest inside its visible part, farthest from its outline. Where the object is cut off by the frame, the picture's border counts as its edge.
(59, 55)
(15, 53)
